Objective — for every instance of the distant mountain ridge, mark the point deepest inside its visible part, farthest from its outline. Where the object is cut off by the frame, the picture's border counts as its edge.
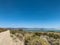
(42, 29)
(33, 29)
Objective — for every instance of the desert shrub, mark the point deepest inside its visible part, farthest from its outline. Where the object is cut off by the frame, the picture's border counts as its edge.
(37, 33)
(13, 31)
(55, 36)
(2, 30)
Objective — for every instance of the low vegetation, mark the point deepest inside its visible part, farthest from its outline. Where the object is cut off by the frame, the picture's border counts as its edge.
(37, 38)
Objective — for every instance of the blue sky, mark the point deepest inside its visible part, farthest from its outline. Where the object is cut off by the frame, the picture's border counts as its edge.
(30, 13)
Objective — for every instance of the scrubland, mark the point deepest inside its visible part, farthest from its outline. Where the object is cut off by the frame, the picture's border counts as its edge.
(36, 38)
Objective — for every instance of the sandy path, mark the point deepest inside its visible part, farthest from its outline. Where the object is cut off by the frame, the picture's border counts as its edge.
(5, 39)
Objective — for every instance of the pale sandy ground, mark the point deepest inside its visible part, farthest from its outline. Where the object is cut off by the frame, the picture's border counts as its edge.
(6, 39)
